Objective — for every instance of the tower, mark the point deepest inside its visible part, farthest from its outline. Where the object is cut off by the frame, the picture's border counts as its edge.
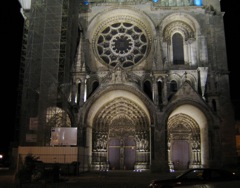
(144, 82)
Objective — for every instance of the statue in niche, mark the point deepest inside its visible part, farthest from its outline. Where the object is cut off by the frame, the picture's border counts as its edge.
(118, 76)
(142, 143)
(100, 142)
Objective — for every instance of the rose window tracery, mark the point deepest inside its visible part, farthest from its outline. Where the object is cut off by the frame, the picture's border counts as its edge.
(122, 43)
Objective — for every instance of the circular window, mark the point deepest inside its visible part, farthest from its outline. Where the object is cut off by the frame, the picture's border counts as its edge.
(122, 43)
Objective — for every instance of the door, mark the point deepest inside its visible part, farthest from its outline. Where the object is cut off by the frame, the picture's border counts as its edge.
(114, 153)
(180, 154)
(121, 153)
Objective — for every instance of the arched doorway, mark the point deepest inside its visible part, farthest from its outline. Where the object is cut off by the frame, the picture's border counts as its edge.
(187, 132)
(184, 143)
(120, 135)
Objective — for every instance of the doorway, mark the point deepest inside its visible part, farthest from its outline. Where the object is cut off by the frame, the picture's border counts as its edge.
(180, 155)
(121, 153)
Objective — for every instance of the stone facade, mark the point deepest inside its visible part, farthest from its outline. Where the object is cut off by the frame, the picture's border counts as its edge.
(145, 83)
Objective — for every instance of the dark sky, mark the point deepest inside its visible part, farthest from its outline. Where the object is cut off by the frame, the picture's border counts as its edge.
(232, 42)
(11, 30)
(11, 27)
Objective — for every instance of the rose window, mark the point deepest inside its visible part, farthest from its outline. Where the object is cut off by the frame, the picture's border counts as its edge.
(122, 43)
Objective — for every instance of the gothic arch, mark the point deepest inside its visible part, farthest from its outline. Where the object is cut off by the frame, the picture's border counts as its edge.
(187, 128)
(176, 77)
(189, 22)
(189, 29)
(118, 130)
(180, 27)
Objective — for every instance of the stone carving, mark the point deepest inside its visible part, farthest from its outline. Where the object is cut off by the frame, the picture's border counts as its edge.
(142, 143)
(100, 142)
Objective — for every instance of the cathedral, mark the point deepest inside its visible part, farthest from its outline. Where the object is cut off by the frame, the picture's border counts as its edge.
(125, 84)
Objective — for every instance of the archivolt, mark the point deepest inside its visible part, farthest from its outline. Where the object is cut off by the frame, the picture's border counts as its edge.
(178, 26)
(120, 109)
(183, 123)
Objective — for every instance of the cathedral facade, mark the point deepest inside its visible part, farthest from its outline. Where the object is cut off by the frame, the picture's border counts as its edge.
(145, 83)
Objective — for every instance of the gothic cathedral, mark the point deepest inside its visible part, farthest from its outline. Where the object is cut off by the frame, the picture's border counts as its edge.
(126, 84)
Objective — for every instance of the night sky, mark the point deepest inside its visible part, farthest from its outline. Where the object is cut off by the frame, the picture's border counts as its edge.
(12, 27)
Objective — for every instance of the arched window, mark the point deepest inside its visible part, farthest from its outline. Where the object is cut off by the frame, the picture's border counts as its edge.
(78, 92)
(178, 55)
(173, 86)
(214, 105)
(160, 86)
(173, 89)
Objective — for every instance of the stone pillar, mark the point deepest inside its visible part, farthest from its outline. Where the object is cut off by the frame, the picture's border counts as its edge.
(164, 93)
(203, 55)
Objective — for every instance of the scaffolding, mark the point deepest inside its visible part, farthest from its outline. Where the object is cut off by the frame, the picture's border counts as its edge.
(48, 51)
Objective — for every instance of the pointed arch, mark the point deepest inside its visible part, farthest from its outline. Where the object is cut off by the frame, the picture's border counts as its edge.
(187, 127)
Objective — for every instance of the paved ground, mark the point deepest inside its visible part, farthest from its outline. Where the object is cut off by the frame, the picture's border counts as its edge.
(113, 179)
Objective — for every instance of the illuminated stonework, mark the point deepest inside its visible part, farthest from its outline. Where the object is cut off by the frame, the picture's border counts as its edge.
(123, 43)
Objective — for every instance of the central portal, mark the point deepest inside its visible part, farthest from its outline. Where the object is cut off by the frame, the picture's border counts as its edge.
(122, 153)
(120, 135)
